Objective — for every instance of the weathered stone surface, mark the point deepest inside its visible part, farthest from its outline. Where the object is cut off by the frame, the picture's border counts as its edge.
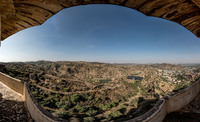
(21, 14)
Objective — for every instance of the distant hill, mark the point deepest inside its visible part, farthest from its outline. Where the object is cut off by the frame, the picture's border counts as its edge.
(167, 66)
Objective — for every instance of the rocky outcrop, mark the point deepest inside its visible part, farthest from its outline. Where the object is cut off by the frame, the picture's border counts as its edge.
(21, 14)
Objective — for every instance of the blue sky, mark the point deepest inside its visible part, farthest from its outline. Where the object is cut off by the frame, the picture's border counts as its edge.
(103, 33)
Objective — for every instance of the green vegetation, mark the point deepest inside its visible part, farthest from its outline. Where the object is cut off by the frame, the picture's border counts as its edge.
(75, 98)
(181, 86)
(164, 79)
(143, 92)
(91, 112)
(66, 89)
(105, 107)
(62, 113)
(114, 115)
(181, 77)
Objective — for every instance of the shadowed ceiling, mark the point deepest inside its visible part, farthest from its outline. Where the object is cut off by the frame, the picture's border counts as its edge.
(17, 15)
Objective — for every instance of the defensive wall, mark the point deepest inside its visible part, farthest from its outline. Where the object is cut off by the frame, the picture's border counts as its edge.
(164, 106)
(170, 104)
(35, 110)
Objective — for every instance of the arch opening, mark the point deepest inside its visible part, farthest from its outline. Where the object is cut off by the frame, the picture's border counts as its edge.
(134, 79)
(186, 14)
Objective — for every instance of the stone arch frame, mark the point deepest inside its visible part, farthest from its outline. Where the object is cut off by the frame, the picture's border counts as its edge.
(17, 15)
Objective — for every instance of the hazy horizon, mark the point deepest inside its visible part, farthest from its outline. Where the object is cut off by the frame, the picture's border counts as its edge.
(103, 33)
(91, 62)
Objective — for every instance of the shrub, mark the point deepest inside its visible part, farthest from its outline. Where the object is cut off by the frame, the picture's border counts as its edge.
(59, 104)
(181, 86)
(90, 98)
(67, 105)
(56, 98)
(122, 106)
(116, 101)
(91, 112)
(62, 113)
(66, 89)
(163, 85)
(75, 98)
(97, 99)
(135, 92)
(81, 109)
(35, 93)
(47, 102)
(113, 104)
(123, 100)
(114, 114)
(127, 96)
(143, 93)
(64, 104)
(157, 87)
(134, 100)
(104, 107)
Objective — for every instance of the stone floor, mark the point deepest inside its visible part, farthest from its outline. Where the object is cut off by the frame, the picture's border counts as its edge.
(12, 108)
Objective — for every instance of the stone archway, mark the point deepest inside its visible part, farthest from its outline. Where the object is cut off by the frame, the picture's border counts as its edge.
(17, 15)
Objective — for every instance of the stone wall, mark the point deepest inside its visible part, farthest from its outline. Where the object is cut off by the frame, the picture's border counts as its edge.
(156, 114)
(164, 106)
(170, 104)
(184, 97)
(13, 83)
(36, 110)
